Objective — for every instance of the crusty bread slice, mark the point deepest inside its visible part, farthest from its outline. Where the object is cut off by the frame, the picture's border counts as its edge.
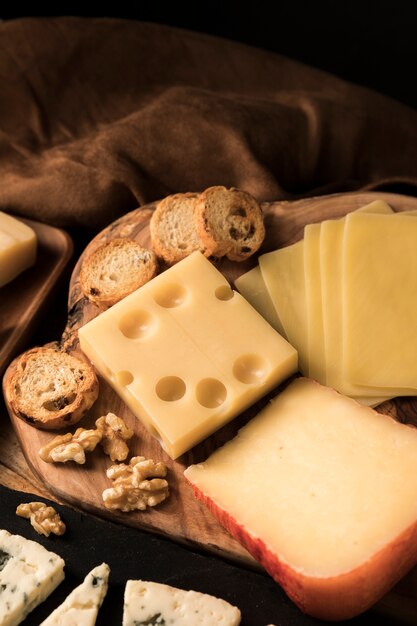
(173, 228)
(51, 389)
(115, 269)
(229, 222)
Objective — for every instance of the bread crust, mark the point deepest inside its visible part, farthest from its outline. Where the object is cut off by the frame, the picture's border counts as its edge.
(50, 389)
(173, 229)
(116, 269)
(229, 222)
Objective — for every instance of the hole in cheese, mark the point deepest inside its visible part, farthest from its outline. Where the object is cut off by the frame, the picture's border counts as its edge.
(250, 369)
(124, 378)
(170, 388)
(170, 296)
(211, 393)
(136, 324)
(224, 292)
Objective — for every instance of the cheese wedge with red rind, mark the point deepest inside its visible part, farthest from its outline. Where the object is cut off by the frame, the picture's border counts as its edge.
(322, 491)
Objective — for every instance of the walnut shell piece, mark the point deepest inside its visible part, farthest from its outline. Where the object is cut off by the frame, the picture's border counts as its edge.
(44, 519)
(68, 447)
(136, 486)
(115, 435)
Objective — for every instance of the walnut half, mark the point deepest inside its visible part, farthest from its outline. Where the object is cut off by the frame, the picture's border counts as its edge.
(115, 434)
(136, 486)
(71, 447)
(44, 519)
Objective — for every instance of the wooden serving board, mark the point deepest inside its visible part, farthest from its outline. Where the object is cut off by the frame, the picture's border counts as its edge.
(180, 517)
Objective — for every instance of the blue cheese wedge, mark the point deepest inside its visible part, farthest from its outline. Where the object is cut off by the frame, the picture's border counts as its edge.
(81, 607)
(28, 574)
(153, 604)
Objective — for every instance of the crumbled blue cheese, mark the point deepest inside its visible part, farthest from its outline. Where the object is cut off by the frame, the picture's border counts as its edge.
(28, 574)
(153, 604)
(81, 607)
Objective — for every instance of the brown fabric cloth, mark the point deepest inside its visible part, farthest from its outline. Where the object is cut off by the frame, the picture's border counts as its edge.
(99, 115)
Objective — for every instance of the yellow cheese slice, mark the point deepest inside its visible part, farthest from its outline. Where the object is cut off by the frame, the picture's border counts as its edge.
(314, 309)
(380, 299)
(252, 287)
(283, 274)
(337, 488)
(187, 353)
(331, 244)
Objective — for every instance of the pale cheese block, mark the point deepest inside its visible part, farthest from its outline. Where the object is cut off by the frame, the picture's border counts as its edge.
(337, 487)
(154, 603)
(17, 247)
(28, 574)
(252, 287)
(187, 353)
(379, 301)
(81, 607)
(283, 274)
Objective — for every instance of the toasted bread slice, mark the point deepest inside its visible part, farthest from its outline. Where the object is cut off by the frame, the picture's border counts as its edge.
(173, 228)
(115, 269)
(229, 222)
(51, 389)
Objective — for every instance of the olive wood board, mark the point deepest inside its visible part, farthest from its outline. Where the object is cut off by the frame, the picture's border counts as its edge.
(22, 301)
(181, 517)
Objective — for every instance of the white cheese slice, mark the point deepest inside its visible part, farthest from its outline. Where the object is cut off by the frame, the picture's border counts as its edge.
(155, 604)
(28, 574)
(17, 247)
(81, 607)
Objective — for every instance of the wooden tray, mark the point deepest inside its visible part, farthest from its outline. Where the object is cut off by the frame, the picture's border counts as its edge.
(22, 301)
(181, 517)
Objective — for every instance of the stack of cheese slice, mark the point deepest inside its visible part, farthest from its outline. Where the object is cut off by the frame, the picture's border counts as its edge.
(337, 487)
(343, 296)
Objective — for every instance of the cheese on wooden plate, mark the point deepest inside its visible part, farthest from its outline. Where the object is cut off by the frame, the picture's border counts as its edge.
(154, 603)
(187, 353)
(28, 574)
(17, 247)
(81, 607)
(323, 492)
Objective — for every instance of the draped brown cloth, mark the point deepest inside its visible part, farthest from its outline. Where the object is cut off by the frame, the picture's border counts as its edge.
(98, 116)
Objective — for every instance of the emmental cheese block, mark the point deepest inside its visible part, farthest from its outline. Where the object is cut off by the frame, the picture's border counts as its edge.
(187, 353)
(337, 487)
(28, 574)
(154, 603)
(81, 607)
(17, 247)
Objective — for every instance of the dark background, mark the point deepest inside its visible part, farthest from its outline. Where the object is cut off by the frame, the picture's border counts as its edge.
(371, 43)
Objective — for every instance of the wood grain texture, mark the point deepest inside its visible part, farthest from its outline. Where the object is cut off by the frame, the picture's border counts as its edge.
(181, 516)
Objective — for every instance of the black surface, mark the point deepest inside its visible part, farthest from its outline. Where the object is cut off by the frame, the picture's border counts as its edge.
(134, 554)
